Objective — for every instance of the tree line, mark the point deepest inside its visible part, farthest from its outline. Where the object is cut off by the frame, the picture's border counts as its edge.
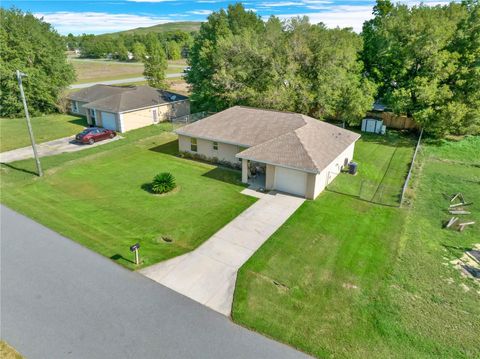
(422, 61)
(125, 47)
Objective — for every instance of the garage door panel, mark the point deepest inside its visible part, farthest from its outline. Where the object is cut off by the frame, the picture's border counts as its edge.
(290, 181)
(109, 121)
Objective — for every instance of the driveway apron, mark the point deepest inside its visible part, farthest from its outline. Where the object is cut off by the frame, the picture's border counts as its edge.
(208, 274)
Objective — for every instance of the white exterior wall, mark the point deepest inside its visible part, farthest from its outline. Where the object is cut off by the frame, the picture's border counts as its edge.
(290, 181)
(225, 152)
(333, 169)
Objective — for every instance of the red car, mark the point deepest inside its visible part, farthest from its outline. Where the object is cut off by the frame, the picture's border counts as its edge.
(94, 134)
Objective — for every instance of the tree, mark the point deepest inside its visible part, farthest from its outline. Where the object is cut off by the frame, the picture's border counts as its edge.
(173, 50)
(33, 47)
(155, 65)
(139, 51)
(294, 66)
(425, 61)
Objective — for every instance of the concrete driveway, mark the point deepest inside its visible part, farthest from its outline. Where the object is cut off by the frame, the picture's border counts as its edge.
(208, 274)
(55, 147)
(61, 300)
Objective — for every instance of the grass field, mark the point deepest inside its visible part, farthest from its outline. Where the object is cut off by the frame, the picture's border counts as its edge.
(14, 132)
(97, 197)
(89, 70)
(383, 162)
(346, 278)
(7, 352)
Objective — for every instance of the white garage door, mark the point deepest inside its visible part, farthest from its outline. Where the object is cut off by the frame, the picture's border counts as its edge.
(290, 181)
(108, 121)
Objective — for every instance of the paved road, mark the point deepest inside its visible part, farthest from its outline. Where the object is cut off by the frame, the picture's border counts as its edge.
(121, 81)
(208, 274)
(50, 148)
(60, 300)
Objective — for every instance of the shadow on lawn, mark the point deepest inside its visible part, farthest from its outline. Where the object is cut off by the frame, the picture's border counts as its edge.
(392, 138)
(225, 174)
(118, 257)
(81, 121)
(168, 148)
(24, 170)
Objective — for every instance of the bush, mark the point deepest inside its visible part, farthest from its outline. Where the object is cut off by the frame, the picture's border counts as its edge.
(163, 183)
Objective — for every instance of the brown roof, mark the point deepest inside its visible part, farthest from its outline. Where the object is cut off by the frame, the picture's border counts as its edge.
(121, 99)
(310, 148)
(279, 138)
(244, 126)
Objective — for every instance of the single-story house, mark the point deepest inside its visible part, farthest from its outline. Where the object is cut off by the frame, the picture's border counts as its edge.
(290, 152)
(124, 108)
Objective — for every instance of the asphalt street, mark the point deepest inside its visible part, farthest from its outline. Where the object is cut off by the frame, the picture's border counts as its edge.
(61, 300)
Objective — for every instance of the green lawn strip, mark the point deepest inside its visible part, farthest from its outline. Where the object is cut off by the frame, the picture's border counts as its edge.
(322, 308)
(14, 131)
(98, 199)
(408, 300)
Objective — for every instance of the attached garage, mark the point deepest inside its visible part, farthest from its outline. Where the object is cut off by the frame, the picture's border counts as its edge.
(290, 181)
(109, 121)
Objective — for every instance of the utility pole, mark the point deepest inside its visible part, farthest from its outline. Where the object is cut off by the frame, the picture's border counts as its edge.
(29, 125)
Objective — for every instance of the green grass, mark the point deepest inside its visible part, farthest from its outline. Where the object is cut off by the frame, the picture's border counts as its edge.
(98, 198)
(345, 278)
(92, 70)
(383, 165)
(14, 132)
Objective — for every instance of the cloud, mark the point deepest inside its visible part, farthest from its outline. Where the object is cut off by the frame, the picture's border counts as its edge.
(98, 22)
(150, 0)
(347, 15)
(200, 12)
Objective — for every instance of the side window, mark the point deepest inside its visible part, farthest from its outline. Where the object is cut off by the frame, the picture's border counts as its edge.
(193, 144)
(155, 115)
(215, 146)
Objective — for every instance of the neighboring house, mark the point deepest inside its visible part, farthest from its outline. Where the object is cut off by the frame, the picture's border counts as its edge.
(124, 108)
(290, 152)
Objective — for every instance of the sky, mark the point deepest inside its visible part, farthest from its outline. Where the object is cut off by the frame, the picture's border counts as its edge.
(104, 16)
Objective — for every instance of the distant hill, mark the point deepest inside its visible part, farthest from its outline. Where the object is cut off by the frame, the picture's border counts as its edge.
(169, 26)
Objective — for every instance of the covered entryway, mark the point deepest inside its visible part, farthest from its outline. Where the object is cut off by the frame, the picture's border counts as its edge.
(109, 121)
(290, 181)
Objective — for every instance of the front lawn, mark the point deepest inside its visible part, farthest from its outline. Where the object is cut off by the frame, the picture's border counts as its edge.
(99, 198)
(14, 131)
(346, 278)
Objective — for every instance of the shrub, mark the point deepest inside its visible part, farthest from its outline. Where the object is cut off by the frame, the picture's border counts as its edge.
(163, 183)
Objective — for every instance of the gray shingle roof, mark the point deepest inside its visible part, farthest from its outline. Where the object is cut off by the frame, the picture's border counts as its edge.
(120, 99)
(279, 138)
(310, 148)
(244, 126)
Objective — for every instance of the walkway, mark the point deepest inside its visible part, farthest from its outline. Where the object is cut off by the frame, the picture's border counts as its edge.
(50, 148)
(208, 274)
(61, 300)
(121, 81)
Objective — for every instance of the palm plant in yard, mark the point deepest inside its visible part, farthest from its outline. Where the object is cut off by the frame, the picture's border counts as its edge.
(163, 182)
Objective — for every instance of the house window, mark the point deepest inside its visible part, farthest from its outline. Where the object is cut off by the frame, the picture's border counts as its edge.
(215, 146)
(92, 114)
(155, 115)
(74, 106)
(193, 144)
